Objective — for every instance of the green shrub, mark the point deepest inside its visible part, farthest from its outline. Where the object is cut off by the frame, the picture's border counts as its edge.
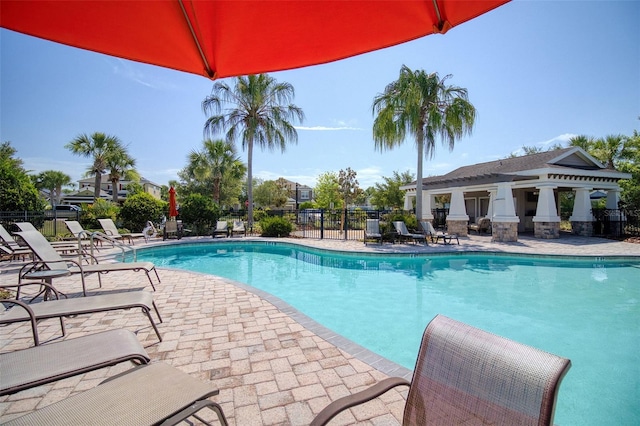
(275, 227)
(199, 213)
(138, 209)
(306, 205)
(101, 209)
(409, 220)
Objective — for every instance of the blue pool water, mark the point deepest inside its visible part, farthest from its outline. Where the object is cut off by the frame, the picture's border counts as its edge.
(585, 310)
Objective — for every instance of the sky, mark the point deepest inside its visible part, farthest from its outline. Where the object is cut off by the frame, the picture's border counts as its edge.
(538, 73)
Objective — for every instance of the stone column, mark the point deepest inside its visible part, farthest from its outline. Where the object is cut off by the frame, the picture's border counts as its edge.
(546, 221)
(457, 219)
(582, 217)
(504, 223)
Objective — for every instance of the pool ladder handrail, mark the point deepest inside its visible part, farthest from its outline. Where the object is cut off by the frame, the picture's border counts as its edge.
(97, 235)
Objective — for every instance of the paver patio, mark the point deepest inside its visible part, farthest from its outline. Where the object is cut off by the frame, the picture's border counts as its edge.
(273, 365)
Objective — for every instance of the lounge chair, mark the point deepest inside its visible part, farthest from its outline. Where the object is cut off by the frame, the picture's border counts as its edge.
(171, 229)
(372, 231)
(13, 246)
(39, 365)
(221, 229)
(436, 236)
(151, 394)
(22, 312)
(238, 228)
(51, 260)
(482, 225)
(464, 375)
(404, 234)
(111, 230)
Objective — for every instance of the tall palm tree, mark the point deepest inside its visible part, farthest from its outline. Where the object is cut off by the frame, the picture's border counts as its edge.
(216, 159)
(120, 165)
(423, 106)
(585, 142)
(610, 149)
(99, 146)
(53, 180)
(259, 112)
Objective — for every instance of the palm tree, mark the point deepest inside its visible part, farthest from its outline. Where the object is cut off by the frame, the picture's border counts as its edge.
(610, 149)
(216, 159)
(53, 180)
(421, 105)
(99, 146)
(259, 113)
(120, 165)
(583, 141)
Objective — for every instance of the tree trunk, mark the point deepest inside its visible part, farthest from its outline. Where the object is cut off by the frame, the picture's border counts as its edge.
(114, 190)
(250, 184)
(97, 182)
(420, 144)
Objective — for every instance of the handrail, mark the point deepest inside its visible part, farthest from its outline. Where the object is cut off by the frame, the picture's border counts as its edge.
(115, 243)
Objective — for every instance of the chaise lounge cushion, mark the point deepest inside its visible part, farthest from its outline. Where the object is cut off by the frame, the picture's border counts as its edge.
(43, 364)
(147, 395)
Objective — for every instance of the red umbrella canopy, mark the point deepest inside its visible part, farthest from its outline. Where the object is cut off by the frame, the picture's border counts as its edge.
(222, 38)
(173, 210)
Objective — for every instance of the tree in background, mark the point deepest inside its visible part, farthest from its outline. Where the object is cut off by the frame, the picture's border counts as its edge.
(424, 106)
(270, 194)
(260, 113)
(389, 194)
(216, 164)
(138, 209)
(327, 191)
(199, 212)
(348, 186)
(17, 191)
(99, 147)
(53, 181)
(120, 166)
(622, 153)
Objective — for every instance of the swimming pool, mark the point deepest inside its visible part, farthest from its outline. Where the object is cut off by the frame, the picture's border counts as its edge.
(583, 309)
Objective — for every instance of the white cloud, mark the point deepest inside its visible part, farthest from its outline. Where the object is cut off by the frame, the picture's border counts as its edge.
(131, 71)
(560, 139)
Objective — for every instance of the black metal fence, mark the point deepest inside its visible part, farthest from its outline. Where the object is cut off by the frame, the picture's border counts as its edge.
(49, 222)
(318, 223)
(616, 223)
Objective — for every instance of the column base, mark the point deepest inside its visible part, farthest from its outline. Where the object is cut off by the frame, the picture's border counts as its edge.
(546, 230)
(458, 227)
(504, 232)
(584, 229)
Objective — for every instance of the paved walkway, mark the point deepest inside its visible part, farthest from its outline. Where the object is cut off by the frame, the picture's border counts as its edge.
(273, 365)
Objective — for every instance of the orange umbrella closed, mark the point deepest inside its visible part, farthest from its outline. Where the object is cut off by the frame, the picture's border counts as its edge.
(222, 38)
(173, 210)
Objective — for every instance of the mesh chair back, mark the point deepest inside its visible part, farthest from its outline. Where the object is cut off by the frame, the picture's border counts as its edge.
(468, 376)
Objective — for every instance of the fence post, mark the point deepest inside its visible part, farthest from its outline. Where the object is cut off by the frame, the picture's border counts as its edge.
(346, 222)
(321, 224)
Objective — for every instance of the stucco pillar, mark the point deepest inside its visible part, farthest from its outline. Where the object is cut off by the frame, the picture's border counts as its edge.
(582, 219)
(457, 219)
(504, 222)
(546, 221)
(613, 198)
(408, 205)
(427, 205)
(492, 197)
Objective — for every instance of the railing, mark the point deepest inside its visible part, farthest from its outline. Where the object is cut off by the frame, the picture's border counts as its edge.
(49, 222)
(99, 236)
(616, 222)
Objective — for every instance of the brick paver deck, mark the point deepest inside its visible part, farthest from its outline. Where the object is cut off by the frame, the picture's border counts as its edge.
(273, 365)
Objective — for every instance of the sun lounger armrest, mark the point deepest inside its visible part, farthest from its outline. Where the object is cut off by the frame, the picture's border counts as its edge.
(32, 317)
(52, 289)
(339, 405)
